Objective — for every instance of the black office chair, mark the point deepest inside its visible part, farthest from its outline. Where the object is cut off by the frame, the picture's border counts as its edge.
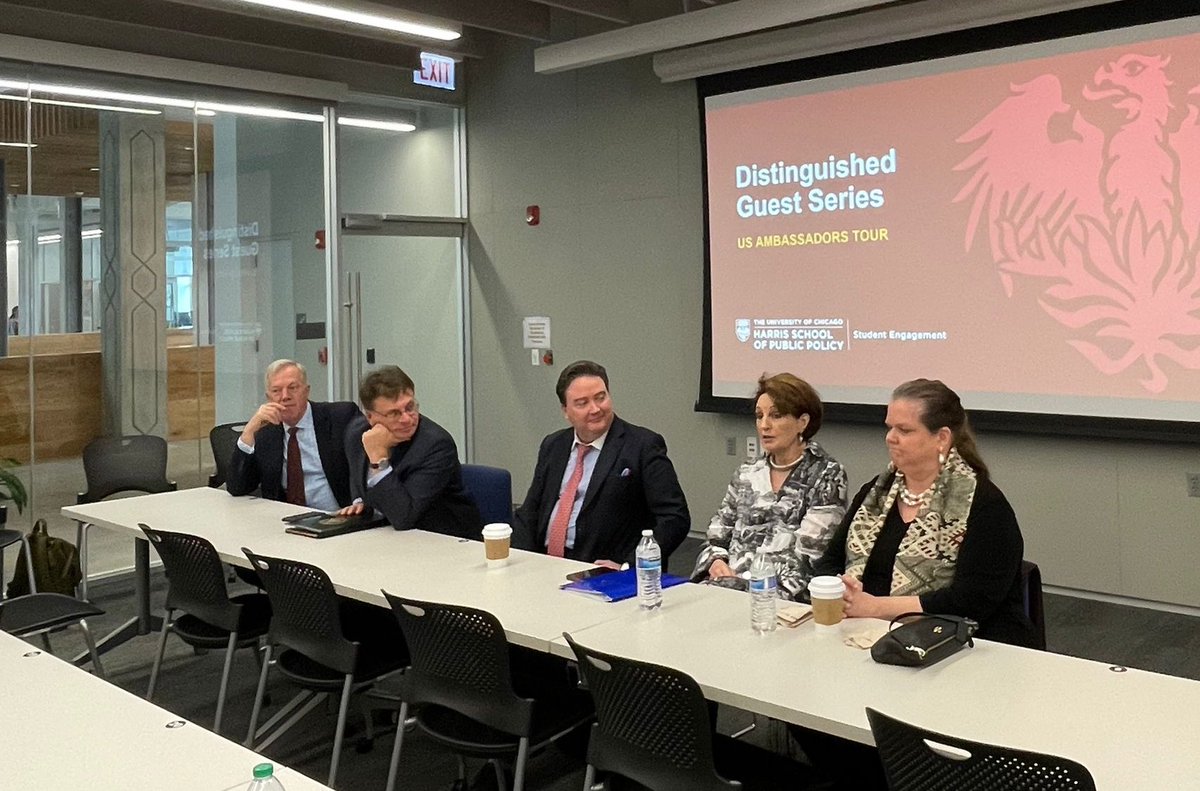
(652, 724)
(1031, 584)
(111, 465)
(223, 439)
(317, 656)
(461, 679)
(35, 614)
(491, 489)
(915, 759)
(210, 619)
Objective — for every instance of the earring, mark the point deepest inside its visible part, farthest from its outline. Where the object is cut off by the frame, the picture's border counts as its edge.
(941, 459)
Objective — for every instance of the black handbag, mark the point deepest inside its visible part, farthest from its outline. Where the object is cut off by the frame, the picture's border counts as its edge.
(921, 640)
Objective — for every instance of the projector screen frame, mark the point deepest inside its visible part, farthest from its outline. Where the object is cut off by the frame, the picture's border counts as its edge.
(1113, 16)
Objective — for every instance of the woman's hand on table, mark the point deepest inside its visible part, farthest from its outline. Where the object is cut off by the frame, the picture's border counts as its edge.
(719, 569)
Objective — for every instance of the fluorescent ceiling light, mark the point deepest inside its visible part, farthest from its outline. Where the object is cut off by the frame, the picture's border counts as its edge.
(19, 145)
(201, 108)
(96, 93)
(367, 123)
(89, 106)
(261, 112)
(395, 24)
(206, 113)
(86, 105)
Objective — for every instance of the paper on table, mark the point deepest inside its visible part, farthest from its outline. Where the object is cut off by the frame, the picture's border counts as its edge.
(865, 635)
(793, 614)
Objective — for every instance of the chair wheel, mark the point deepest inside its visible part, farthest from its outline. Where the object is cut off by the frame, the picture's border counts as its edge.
(364, 745)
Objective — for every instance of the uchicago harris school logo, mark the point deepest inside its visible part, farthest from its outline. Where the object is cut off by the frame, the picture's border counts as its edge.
(741, 328)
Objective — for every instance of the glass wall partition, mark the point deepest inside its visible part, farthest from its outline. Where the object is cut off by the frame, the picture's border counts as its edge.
(16, 362)
(160, 254)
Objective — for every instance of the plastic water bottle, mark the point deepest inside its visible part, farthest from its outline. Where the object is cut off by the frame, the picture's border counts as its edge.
(762, 592)
(649, 571)
(264, 779)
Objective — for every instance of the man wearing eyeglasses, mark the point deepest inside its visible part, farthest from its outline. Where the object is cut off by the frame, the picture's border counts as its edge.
(293, 448)
(403, 464)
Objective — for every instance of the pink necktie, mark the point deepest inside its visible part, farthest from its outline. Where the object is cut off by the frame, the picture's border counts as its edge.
(566, 504)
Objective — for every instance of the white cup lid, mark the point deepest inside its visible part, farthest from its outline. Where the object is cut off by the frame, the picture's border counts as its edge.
(497, 530)
(826, 587)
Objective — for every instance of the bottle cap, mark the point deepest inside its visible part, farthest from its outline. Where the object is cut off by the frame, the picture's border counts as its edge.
(647, 534)
(263, 770)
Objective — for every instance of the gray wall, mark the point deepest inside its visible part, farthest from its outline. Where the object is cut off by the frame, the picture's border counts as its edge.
(613, 158)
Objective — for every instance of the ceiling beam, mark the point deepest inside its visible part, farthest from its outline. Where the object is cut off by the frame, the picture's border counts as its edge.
(608, 10)
(171, 17)
(696, 27)
(880, 26)
(510, 17)
(258, 13)
(97, 58)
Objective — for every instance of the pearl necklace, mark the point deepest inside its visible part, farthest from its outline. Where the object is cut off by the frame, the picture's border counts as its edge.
(916, 500)
(788, 466)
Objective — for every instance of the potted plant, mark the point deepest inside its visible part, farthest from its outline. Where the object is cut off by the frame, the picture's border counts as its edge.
(11, 488)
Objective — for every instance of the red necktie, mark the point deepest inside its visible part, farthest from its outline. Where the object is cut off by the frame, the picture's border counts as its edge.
(566, 503)
(295, 470)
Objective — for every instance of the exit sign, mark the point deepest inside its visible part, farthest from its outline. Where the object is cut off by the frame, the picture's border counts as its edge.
(437, 71)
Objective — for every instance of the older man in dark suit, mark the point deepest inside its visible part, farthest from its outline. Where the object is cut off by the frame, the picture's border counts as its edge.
(403, 464)
(599, 483)
(292, 447)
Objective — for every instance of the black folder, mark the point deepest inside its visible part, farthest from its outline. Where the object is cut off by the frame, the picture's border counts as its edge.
(321, 525)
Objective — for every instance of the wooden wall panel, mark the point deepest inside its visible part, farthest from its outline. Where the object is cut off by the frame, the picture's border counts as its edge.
(69, 410)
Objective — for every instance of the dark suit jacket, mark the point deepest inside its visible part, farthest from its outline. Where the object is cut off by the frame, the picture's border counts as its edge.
(424, 490)
(264, 467)
(633, 488)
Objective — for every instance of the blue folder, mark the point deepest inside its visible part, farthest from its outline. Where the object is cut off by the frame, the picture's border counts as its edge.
(618, 586)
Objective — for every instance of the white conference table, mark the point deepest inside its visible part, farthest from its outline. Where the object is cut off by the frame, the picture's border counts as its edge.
(65, 728)
(1131, 729)
(523, 595)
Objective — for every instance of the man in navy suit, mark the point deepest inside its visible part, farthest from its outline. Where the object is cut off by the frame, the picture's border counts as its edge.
(403, 464)
(261, 458)
(626, 483)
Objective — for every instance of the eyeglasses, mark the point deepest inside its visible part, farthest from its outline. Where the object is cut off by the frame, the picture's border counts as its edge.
(395, 414)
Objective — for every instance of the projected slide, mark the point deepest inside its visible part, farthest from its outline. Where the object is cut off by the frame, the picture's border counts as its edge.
(1026, 230)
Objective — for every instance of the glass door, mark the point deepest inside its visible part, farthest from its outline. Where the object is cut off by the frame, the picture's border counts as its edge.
(401, 256)
(404, 307)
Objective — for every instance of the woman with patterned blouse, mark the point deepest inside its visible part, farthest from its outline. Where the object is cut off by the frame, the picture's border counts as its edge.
(790, 499)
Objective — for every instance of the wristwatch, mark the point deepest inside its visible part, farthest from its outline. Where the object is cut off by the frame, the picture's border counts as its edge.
(379, 465)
